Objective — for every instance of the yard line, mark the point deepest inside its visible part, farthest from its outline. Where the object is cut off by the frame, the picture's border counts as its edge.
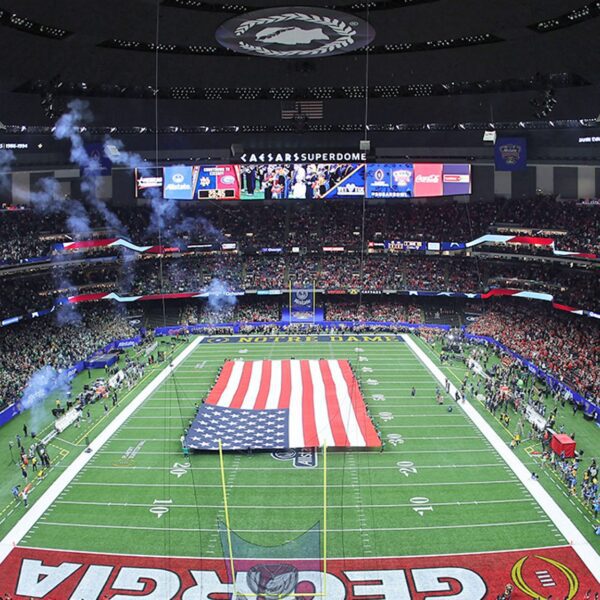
(345, 530)
(288, 507)
(481, 466)
(282, 468)
(286, 486)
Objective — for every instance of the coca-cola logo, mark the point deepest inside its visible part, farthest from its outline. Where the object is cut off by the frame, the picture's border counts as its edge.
(433, 178)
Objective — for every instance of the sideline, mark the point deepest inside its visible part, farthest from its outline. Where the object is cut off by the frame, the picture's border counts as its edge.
(576, 539)
(16, 534)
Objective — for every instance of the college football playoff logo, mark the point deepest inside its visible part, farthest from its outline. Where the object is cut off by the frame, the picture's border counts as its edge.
(295, 32)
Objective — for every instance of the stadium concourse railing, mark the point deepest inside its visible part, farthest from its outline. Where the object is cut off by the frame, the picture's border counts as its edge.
(590, 409)
(493, 293)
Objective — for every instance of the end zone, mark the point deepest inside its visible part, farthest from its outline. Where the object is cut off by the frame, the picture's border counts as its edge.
(35, 573)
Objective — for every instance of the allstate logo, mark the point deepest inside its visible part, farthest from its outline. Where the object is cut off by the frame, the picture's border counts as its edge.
(178, 178)
(303, 458)
(295, 32)
(302, 298)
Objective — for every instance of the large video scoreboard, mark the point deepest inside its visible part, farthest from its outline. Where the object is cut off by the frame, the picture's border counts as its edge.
(306, 181)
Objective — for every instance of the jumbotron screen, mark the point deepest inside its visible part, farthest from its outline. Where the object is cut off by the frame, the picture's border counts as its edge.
(417, 180)
(204, 182)
(316, 181)
(311, 181)
(148, 181)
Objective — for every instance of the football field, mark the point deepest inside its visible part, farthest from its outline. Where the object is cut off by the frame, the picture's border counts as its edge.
(439, 486)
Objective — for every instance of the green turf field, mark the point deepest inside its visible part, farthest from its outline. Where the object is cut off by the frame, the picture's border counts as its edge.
(437, 488)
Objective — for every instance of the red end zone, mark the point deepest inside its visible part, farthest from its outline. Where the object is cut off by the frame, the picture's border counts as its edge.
(56, 575)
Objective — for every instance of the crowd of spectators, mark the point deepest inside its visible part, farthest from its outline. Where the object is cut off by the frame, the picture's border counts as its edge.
(311, 225)
(381, 310)
(37, 288)
(566, 346)
(30, 345)
(531, 410)
(192, 314)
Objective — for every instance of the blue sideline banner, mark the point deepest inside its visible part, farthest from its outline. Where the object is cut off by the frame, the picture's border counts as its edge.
(554, 383)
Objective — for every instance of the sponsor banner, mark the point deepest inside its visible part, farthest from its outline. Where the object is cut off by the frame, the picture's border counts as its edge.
(148, 182)
(390, 180)
(457, 179)
(217, 182)
(128, 343)
(178, 183)
(9, 413)
(302, 300)
(453, 246)
(34, 573)
(510, 154)
(418, 180)
(405, 246)
(302, 458)
(32, 315)
(428, 180)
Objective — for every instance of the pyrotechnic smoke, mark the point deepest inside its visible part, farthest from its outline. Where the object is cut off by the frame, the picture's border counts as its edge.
(43, 384)
(166, 216)
(6, 160)
(49, 199)
(220, 297)
(69, 127)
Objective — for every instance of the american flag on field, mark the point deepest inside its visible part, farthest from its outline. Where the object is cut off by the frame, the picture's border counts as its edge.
(308, 109)
(277, 404)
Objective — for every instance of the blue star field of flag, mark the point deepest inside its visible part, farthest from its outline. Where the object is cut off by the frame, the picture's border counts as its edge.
(238, 429)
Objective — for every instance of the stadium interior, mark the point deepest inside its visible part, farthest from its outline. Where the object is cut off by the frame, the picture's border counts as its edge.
(299, 300)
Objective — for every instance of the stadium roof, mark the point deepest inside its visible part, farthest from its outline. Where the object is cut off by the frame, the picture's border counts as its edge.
(433, 64)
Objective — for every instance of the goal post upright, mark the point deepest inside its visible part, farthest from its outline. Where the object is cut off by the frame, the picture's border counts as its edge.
(290, 298)
(226, 510)
(230, 558)
(314, 301)
(325, 519)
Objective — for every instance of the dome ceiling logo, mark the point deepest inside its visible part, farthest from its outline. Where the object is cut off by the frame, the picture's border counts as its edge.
(295, 32)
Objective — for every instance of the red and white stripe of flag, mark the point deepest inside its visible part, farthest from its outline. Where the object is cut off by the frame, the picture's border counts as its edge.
(324, 401)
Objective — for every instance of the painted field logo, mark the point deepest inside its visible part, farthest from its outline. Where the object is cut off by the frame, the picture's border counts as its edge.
(540, 577)
(273, 580)
(303, 458)
(34, 573)
(295, 32)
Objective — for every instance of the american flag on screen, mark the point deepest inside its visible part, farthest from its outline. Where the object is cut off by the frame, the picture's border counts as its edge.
(310, 109)
(277, 404)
